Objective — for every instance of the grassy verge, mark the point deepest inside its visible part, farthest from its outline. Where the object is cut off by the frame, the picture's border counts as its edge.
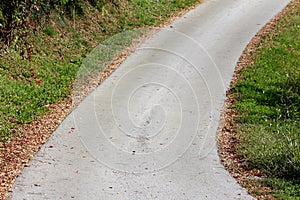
(39, 69)
(267, 98)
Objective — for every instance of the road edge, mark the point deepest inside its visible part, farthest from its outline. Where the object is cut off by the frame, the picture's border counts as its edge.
(226, 134)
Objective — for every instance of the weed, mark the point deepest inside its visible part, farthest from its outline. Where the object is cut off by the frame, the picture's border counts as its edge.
(50, 31)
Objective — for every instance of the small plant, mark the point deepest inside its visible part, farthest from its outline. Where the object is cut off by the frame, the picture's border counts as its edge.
(50, 31)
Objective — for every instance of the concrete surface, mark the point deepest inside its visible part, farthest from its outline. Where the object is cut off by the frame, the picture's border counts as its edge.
(148, 132)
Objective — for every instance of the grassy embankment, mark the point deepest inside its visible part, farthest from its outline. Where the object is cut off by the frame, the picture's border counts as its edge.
(38, 69)
(267, 99)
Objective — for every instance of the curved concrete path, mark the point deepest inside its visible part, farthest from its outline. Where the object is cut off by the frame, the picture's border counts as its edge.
(148, 132)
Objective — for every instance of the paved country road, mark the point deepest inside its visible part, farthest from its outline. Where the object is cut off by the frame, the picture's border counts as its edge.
(149, 131)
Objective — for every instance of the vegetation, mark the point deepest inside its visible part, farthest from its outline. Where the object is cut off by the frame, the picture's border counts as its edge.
(43, 43)
(18, 14)
(268, 101)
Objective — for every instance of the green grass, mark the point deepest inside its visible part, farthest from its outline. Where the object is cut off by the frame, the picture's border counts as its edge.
(268, 101)
(39, 69)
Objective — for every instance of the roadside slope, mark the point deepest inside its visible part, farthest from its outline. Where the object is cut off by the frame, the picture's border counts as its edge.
(38, 69)
(275, 47)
